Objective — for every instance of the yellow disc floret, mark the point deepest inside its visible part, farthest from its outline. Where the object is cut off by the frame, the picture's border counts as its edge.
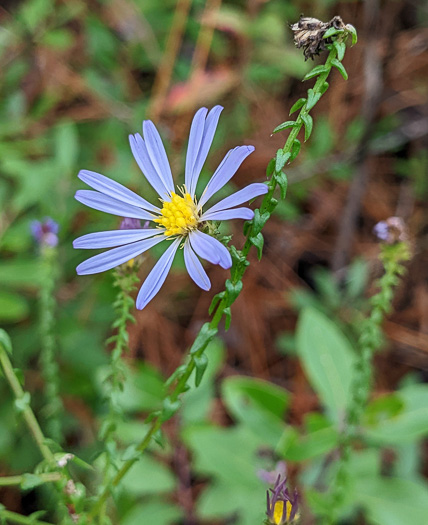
(179, 216)
(278, 511)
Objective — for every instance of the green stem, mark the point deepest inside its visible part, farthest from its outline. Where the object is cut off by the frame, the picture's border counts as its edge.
(7, 481)
(13, 517)
(49, 365)
(27, 412)
(368, 342)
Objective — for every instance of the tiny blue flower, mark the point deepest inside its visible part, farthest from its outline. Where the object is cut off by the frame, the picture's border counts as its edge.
(181, 218)
(45, 232)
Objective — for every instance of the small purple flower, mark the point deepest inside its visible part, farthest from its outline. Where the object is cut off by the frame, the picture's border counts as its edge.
(181, 218)
(391, 231)
(45, 232)
(281, 507)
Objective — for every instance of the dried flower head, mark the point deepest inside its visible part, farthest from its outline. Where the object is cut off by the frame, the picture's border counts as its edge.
(309, 34)
(281, 506)
(391, 231)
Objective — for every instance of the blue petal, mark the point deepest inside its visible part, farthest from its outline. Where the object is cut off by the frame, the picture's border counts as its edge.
(113, 238)
(111, 258)
(115, 190)
(157, 154)
(226, 215)
(227, 169)
(157, 276)
(101, 202)
(195, 138)
(210, 249)
(246, 194)
(207, 138)
(141, 155)
(209, 131)
(195, 268)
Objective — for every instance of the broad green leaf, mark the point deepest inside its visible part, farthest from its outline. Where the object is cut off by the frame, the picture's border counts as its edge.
(327, 358)
(159, 512)
(408, 423)
(230, 458)
(148, 476)
(13, 307)
(392, 501)
(258, 404)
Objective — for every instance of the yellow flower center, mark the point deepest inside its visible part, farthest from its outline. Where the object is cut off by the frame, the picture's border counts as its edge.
(179, 216)
(278, 512)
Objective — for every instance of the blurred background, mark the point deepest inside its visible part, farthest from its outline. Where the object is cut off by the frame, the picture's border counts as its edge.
(78, 77)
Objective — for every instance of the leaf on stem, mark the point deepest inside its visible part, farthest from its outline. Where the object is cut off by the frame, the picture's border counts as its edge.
(295, 148)
(337, 64)
(285, 125)
(281, 159)
(297, 105)
(318, 70)
(281, 179)
(313, 98)
(258, 242)
(309, 124)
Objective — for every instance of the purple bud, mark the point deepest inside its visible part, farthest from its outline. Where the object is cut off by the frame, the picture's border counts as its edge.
(130, 224)
(391, 231)
(45, 232)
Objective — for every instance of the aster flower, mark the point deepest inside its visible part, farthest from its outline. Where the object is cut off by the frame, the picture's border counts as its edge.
(281, 507)
(45, 232)
(181, 219)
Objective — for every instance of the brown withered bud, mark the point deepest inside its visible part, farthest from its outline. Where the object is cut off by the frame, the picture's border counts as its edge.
(309, 32)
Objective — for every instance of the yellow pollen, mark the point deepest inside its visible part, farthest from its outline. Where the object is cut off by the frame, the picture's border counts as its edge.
(277, 512)
(179, 216)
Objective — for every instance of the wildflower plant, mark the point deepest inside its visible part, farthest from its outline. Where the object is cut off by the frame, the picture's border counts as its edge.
(181, 219)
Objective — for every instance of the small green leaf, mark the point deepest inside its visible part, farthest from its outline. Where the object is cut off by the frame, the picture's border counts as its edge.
(216, 299)
(233, 290)
(324, 88)
(258, 242)
(228, 318)
(337, 64)
(309, 124)
(203, 338)
(318, 70)
(295, 148)
(340, 49)
(30, 481)
(281, 159)
(297, 105)
(259, 220)
(285, 125)
(23, 402)
(353, 32)
(332, 31)
(281, 179)
(312, 99)
(201, 363)
(5, 341)
(270, 168)
(169, 408)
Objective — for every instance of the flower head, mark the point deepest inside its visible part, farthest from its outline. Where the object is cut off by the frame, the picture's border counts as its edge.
(391, 231)
(45, 232)
(281, 507)
(181, 219)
